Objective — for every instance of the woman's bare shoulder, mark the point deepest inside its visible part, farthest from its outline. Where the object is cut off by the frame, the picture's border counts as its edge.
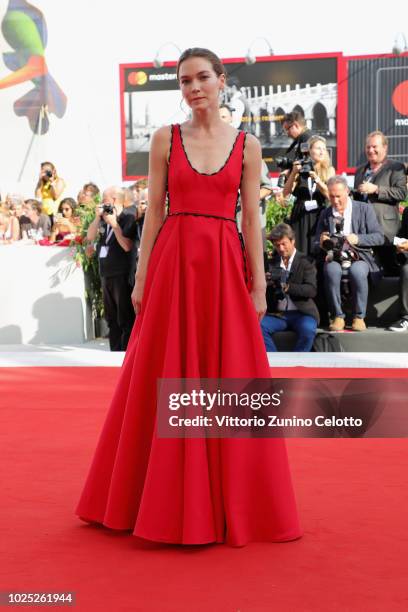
(252, 144)
(161, 140)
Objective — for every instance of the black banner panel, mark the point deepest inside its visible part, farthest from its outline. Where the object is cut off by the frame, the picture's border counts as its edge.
(377, 100)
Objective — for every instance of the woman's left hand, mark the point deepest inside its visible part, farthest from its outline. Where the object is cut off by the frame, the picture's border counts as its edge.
(259, 301)
(314, 176)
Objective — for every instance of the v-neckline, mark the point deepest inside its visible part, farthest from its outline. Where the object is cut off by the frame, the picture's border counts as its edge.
(207, 173)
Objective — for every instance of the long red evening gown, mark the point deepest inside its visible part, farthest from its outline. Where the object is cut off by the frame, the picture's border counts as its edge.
(197, 320)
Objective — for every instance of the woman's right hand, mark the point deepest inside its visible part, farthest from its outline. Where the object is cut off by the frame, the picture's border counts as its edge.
(137, 295)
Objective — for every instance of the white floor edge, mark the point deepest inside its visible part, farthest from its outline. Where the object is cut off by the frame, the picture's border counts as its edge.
(97, 354)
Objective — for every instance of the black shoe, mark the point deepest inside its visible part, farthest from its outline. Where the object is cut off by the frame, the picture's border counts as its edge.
(399, 326)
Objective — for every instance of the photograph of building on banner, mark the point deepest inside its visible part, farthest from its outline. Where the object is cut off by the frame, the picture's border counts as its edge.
(259, 95)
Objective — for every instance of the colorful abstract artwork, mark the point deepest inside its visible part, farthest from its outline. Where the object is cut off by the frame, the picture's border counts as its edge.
(25, 30)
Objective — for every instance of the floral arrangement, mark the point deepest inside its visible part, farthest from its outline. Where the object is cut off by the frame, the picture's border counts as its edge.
(83, 254)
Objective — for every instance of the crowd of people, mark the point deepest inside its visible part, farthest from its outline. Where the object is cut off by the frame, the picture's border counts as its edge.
(347, 238)
(336, 241)
(52, 218)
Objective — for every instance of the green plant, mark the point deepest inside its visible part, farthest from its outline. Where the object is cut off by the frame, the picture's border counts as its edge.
(84, 256)
(276, 212)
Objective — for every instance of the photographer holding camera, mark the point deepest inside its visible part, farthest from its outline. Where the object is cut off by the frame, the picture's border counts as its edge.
(307, 182)
(115, 250)
(294, 124)
(345, 235)
(49, 189)
(291, 287)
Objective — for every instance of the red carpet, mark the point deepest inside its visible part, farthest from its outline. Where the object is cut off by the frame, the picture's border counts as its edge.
(353, 503)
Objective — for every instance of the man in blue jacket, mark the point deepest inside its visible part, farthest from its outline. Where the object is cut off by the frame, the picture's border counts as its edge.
(346, 232)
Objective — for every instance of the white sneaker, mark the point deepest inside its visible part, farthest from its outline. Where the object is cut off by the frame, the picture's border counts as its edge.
(399, 326)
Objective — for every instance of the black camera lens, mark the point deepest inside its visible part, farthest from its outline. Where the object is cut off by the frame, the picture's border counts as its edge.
(107, 208)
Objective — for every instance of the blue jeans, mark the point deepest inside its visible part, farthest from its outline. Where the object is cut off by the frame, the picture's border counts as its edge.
(303, 325)
(358, 278)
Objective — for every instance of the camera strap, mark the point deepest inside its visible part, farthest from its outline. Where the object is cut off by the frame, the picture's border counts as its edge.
(104, 250)
(311, 204)
(109, 233)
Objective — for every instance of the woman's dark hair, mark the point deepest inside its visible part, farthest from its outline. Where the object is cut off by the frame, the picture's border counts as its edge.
(71, 203)
(214, 60)
(91, 187)
(53, 168)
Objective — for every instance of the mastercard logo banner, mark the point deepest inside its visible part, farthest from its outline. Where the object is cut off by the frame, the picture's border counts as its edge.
(400, 98)
(137, 78)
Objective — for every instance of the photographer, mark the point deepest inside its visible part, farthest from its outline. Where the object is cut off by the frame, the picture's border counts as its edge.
(294, 124)
(307, 181)
(383, 183)
(345, 235)
(49, 189)
(117, 230)
(291, 287)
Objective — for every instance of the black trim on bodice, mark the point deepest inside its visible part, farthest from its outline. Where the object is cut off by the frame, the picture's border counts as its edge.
(207, 173)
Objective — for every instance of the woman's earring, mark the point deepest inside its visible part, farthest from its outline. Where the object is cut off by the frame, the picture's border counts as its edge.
(186, 112)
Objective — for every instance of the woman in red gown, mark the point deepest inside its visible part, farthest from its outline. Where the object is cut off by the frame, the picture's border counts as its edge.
(198, 300)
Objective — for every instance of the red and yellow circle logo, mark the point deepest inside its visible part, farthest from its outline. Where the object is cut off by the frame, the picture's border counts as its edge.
(400, 98)
(137, 78)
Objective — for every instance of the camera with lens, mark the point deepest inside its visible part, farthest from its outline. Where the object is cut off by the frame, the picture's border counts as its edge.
(107, 209)
(286, 163)
(48, 174)
(338, 249)
(275, 279)
(335, 244)
(307, 166)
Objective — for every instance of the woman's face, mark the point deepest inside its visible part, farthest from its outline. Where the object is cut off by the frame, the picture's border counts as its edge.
(318, 151)
(16, 210)
(66, 211)
(199, 84)
(47, 169)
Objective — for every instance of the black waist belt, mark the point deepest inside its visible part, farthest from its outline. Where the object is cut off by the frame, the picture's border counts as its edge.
(195, 214)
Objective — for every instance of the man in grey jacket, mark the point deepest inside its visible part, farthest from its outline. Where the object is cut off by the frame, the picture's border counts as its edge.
(361, 231)
(383, 183)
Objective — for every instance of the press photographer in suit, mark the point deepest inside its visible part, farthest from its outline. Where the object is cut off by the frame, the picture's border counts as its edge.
(116, 251)
(291, 287)
(383, 183)
(345, 235)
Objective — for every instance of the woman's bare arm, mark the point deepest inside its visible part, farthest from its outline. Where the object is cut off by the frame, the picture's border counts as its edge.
(155, 211)
(291, 180)
(15, 229)
(251, 226)
(57, 187)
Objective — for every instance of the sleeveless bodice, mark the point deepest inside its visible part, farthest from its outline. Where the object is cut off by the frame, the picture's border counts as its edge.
(208, 194)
